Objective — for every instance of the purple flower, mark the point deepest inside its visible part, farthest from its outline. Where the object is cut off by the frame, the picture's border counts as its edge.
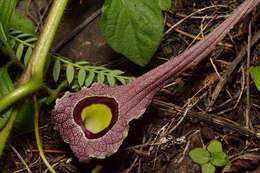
(121, 104)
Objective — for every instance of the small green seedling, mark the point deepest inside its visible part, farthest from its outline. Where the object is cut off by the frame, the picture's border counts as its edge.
(213, 156)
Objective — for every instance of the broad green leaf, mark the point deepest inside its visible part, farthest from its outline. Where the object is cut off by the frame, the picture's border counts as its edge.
(81, 77)
(199, 155)
(19, 51)
(165, 4)
(7, 9)
(25, 117)
(27, 55)
(133, 28)
(214, 146)
(100, 78)
(255, 75)
(20, 22)
(70, 73)
(219, 159)
(6, 86)
(111, 80)
(89, 79)
(208, 168)
(56, 70)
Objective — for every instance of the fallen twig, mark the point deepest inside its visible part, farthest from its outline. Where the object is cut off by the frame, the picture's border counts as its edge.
(172, 108)
(232, 67)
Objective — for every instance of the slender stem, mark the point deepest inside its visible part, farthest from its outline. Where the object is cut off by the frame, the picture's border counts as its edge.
(37, 136)
(4, 133)
(44, 43)
(19, 93)
(54, 92)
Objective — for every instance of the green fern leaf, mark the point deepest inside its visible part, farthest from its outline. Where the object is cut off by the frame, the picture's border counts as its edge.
(56, 70)
(100, 78)
(70, 73)
(19, 51)
(90, 79)
(27, 55)
(81, 77)
(121, 80)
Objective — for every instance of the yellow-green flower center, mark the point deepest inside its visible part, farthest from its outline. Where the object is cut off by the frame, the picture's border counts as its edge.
(96, 117)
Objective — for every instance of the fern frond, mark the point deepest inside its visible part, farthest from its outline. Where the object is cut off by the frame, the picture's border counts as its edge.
(78, 74)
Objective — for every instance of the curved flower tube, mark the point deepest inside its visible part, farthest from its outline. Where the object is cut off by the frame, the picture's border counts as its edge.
(94, 121)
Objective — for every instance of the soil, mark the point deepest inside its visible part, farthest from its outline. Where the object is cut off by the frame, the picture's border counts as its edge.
(183, 115)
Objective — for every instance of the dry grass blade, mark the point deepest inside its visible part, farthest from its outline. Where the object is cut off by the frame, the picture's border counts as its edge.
(172, 108)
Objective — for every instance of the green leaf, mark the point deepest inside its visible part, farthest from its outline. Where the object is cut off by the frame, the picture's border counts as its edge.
(7, 9)
(131, 78)
(27, 55)
(6, 86)
(49, 100)
(15, 32)
(22, 23)
(32, 39)
(70, 73)
(165, 4)
(24, 35)
(56, 70)
(214, 146)
(19, 51)
(199, 155)
(116, 72)
(133, 28)
(3, 36)
(100, 78)
(12, 43)
(81, 76)
(82, 63)
(208, 168)
(219, 159)
(25, 117)
(89, 79)
(111, 80)
(121, 80)
(96, 67)
(255, 75)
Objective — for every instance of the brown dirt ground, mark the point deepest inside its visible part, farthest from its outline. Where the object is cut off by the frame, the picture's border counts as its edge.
(161, 139)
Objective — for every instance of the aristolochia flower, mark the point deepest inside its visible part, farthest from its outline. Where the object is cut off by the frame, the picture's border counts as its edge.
(94, 121)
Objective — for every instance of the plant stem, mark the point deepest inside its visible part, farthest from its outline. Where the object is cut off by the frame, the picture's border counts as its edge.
(54, 92)
(37, 136)
(4, 133)
(32, 78)
(18, 93)
(44, 43)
